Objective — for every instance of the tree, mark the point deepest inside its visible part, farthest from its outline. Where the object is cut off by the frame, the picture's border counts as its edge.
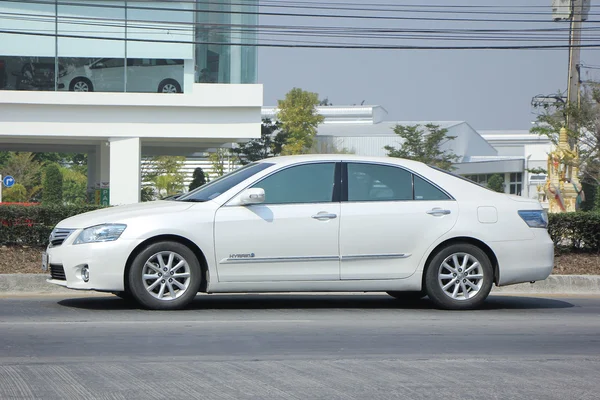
(165, 174)
(53, 185)
(496, 183)
(74, 186)
(587, 136)
(325, 102)
(299, 120)
(198, 179)
(424, 145)
(270, 144)
(218, 159)
(26, 172)
(16, 194)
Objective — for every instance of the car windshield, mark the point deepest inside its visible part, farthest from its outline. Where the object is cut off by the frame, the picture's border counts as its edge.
(220, 185)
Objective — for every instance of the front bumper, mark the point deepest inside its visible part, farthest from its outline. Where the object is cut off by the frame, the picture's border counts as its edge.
(106, 263)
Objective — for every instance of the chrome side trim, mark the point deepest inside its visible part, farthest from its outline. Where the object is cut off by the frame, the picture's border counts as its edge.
(255, 260)
(358, 257)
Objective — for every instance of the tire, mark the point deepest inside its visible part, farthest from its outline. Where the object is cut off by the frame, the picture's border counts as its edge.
(169, 86)
(177, 289)
(448, 266)
(407, 296)
(81, 85)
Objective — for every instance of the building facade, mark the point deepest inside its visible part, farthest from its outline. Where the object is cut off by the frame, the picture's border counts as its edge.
(122, 79)
(516, 155)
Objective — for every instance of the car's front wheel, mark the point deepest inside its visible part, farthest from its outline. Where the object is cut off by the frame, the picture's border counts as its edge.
(169, 86)
(81, 85)
(459, 277)
(165, 276)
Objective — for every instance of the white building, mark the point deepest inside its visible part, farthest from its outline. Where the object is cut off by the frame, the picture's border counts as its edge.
(364, 130)
(122, 79)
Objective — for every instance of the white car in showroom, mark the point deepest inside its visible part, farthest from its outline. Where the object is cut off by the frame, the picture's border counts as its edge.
(310, 224)
(108, 75)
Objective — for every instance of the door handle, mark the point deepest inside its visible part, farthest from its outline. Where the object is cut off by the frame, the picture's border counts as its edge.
(438, 212)
(323, 215)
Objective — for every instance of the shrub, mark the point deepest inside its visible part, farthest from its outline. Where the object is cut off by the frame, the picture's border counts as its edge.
(578, 231)
(53, 185)
(15, 194)
(496, 183)
(198, 179)
(32, 225)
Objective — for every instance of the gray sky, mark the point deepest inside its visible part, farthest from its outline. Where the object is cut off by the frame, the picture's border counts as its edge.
(490, 89)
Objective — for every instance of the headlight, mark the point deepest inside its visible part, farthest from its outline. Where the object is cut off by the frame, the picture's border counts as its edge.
(535, 218)
(100, 233)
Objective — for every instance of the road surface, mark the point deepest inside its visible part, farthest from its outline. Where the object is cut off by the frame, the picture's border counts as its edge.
(299, 347)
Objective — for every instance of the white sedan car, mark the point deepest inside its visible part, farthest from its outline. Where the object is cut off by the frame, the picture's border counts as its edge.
(310, 224)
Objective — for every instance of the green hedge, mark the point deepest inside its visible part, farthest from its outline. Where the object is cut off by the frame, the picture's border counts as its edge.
(30, 225)
(578, 231)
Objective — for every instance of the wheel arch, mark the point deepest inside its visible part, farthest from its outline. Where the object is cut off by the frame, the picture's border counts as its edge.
(464, 239)
(170, 238)
(169, 80)
(80, 78)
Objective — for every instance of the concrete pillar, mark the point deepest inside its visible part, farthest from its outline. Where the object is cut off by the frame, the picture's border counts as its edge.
(125, 176)
(102, 163)
(91, 170)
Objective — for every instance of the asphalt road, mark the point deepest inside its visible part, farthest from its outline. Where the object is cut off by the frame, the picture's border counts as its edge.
(299, 347)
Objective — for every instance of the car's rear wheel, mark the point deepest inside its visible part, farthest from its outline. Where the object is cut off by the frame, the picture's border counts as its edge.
(169, 86)
(165, 276)
(459, 277)
(407, 296)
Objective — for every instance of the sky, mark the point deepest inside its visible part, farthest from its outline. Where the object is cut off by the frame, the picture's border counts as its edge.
(489, 89)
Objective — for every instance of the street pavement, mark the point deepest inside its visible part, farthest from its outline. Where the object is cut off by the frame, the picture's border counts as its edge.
(359, 346)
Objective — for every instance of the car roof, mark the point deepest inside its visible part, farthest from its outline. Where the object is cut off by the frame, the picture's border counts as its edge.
(285, 160)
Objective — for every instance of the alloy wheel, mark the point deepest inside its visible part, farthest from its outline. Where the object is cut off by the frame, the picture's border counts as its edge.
(460, 276)
(166, 275)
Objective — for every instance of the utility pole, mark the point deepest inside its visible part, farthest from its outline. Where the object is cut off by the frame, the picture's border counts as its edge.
(574, 61)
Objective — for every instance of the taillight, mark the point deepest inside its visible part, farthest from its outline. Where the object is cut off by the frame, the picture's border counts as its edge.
(535, 218)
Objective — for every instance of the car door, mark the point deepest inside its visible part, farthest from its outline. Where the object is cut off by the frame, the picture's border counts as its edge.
(389, 219)
(292, 236)
(108, 75)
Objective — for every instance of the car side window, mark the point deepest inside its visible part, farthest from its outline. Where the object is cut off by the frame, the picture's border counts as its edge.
(372, 182)
(426, 191)
(308, 183)
(113, 62)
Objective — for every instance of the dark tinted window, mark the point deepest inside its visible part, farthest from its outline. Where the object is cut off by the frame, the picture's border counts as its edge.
(371, 182)
(426, 191)
(309, 183)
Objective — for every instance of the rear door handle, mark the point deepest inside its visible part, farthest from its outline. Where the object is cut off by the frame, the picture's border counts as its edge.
(438, 212)
(323, 215)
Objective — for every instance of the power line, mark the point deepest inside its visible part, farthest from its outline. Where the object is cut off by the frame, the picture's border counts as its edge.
(275, 14)
(345, 46)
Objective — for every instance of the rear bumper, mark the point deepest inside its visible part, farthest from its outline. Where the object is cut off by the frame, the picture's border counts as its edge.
(525, 260)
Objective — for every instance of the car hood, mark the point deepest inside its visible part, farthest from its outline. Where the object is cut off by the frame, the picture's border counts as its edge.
(121, 213)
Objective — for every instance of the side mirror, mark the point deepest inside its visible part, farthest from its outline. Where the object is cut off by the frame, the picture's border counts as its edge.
(252, 196)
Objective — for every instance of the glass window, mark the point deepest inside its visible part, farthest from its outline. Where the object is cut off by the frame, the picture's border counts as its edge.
(371, 182)
(308, 183)
(516, 185)
(426, 191)
(215, 188)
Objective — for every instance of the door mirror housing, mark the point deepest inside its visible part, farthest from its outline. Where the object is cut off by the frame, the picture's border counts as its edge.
(252, 196)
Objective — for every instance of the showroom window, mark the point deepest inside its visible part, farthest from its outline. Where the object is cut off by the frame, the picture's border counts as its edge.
(127, 46)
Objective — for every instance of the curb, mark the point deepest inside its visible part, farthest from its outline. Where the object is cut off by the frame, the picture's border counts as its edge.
(555, 284)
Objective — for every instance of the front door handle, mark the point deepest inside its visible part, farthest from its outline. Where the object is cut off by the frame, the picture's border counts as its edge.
(323, 215)
(438, 212)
